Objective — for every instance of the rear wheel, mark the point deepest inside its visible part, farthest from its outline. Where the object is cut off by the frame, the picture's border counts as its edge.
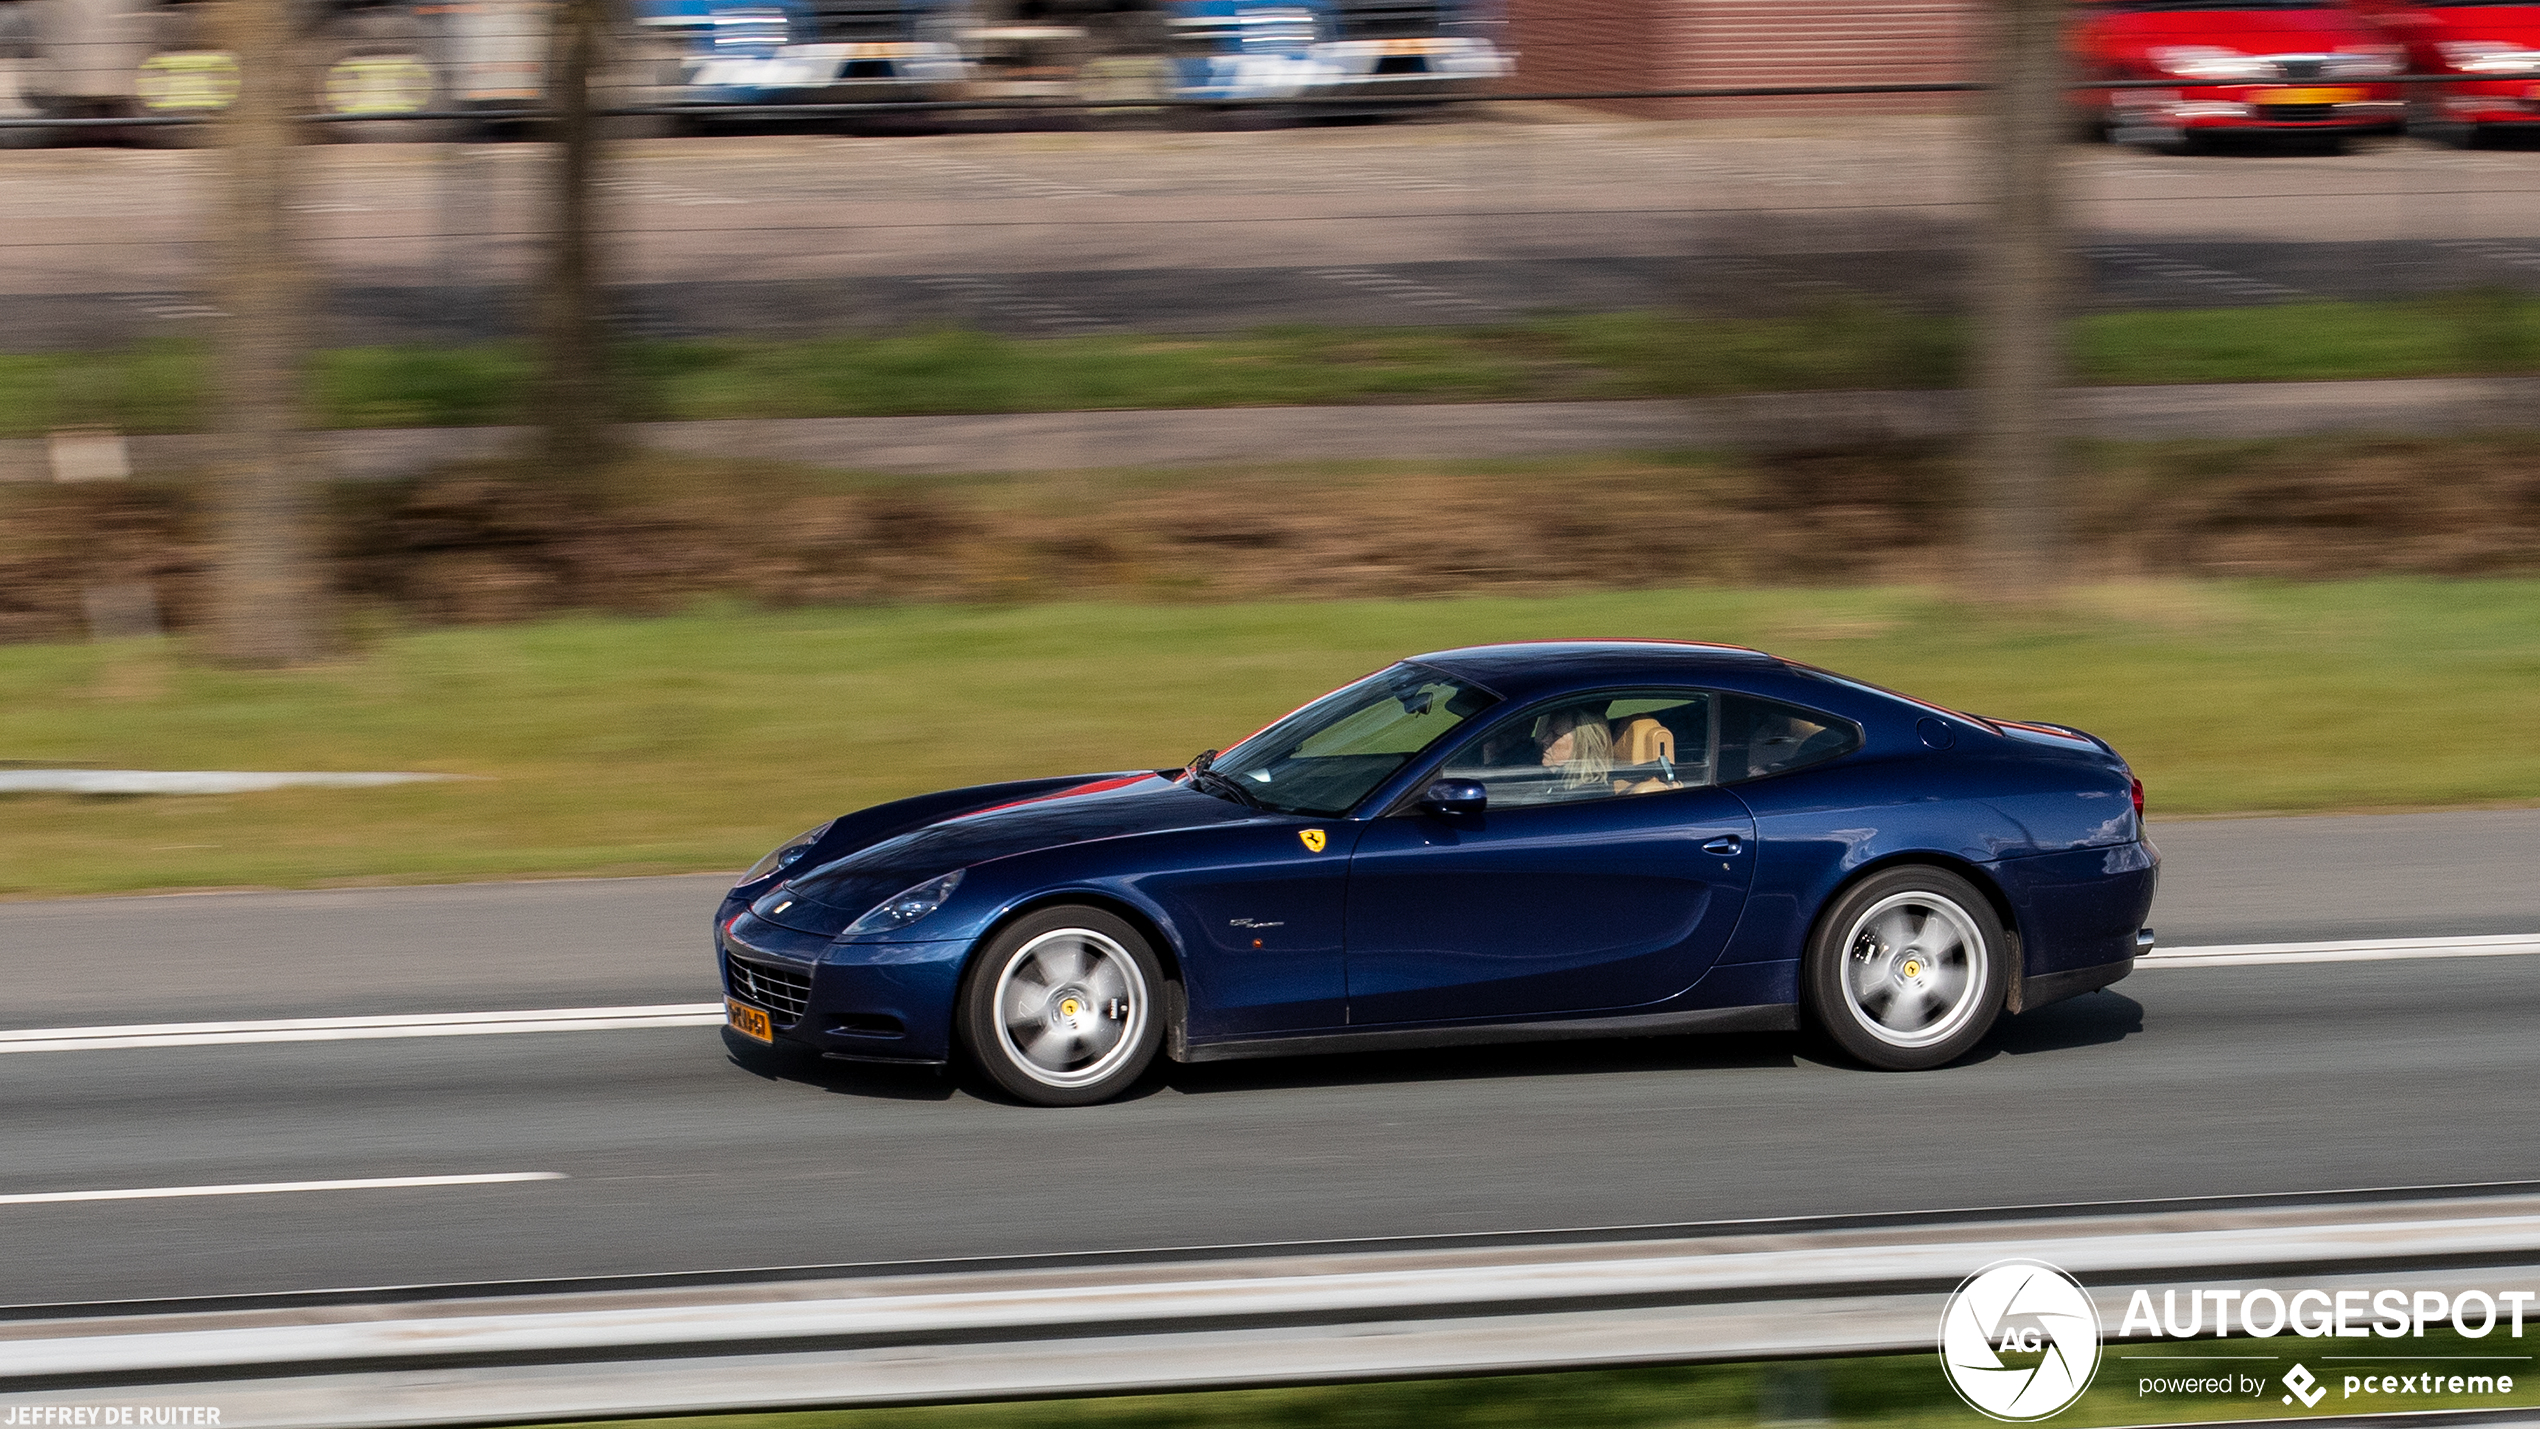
(1062, 1007)
(1909, 969)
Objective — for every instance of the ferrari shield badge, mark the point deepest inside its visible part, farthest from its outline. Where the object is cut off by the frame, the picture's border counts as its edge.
(1314, 839)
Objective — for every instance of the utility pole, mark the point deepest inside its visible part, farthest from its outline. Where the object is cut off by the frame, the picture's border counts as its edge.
(2020, 351)
(575, 387)
(266, 589)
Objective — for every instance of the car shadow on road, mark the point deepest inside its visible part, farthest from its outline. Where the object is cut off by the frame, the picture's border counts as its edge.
(861, 1079)
(1716, 1052)
(2094, 1019)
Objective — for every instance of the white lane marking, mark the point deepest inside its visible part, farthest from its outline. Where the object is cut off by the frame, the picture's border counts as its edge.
(2367, 950)
(355, 1029)
(269, 1188)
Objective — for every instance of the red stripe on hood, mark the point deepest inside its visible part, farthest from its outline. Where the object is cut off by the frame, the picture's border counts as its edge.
(1096, 787)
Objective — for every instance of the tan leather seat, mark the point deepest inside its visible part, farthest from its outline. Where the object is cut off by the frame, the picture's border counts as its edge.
(1644, 740)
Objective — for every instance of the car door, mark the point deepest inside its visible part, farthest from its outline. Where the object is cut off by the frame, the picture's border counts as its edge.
(1597, 899)
(1258, 908)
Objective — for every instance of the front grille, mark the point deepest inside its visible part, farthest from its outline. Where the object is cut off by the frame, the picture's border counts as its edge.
(2300, 68)
(857, 20)
(783, 991)
(1387, 19)
(2298, 113)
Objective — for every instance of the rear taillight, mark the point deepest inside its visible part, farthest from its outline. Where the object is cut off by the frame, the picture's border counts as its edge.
(2138, 798)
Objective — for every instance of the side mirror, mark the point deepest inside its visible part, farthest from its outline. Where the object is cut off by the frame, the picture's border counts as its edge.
(1456, 796)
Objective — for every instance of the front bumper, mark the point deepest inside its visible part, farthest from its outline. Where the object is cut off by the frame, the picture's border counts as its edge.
(2491, 101)
(2261, 108)
(878, 1002)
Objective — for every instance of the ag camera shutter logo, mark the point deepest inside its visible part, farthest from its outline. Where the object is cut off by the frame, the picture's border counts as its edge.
(2019, 1340)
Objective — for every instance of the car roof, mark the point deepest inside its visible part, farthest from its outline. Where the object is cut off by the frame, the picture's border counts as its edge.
(1520, 669)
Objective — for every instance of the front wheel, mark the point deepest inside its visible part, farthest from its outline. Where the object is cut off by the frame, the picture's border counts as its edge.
(1908, 969)
(1063, 1007)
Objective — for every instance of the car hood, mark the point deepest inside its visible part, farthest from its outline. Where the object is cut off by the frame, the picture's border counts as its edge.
(2496, 24)
(2252, 32)
(828, 898)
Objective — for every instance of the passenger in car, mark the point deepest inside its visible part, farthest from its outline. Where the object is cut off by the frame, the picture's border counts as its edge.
(1578, 744)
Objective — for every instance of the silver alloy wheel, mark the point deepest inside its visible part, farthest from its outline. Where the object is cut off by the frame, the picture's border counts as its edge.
(1070, 1006)
(1911, 975)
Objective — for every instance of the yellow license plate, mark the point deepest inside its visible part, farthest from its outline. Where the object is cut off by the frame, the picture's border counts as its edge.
(747, 1020)
(2311, 96)
(1411, 47)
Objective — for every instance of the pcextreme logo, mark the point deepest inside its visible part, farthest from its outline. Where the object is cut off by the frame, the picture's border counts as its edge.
(2019, 1340)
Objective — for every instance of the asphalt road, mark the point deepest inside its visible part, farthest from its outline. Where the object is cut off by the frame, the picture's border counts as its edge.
(683, 1152)
(1067, 233)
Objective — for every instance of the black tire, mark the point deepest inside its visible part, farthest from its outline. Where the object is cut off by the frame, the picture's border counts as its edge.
(1062, 1038)
(1883, 955)
(2427, 121)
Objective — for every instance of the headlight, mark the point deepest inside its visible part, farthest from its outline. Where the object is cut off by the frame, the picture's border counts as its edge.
(2364, 62)
(784, 856)
(2489, 57)
(2209, 63)
(903, 908)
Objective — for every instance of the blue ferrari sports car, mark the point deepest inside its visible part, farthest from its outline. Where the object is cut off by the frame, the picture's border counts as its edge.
(1590, 838)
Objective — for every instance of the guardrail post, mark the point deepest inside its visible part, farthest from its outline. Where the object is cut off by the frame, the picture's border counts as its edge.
(265, 588)
(2019, 328)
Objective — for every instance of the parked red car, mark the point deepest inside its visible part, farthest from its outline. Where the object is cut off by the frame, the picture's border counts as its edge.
(2246, 66)
(2494, 47)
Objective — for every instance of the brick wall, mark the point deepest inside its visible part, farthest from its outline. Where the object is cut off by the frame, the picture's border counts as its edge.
(1683, 44)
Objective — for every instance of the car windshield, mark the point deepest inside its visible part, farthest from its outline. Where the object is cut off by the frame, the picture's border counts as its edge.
(1333, 753)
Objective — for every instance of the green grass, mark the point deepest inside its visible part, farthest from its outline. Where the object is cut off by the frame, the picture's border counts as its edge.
(162, 387)
(611, 746)
(1876, 1392)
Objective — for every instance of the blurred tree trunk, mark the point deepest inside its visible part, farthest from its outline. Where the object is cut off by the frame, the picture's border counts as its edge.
(265, 594)
(576, 390)
(2020, 357)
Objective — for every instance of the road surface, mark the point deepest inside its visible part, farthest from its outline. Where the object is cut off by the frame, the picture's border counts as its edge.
(679, 1151)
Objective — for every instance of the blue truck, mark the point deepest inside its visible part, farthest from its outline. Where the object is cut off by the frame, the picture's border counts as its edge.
(386, 59)
(796, 51)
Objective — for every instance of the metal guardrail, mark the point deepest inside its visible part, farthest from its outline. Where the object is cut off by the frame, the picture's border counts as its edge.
(1209, 1317)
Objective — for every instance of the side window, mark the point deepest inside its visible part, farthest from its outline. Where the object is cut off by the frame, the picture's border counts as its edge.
(1643, 742)
(1760, 737)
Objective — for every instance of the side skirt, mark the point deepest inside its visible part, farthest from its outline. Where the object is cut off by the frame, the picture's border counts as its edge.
(1778, 1017)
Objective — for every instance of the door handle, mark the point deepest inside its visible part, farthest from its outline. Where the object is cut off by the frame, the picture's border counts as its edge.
(1725, 846)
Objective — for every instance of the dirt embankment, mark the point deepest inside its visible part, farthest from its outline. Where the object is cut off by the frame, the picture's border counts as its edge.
(484, 544)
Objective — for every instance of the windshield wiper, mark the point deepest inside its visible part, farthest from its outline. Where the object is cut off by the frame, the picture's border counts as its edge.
(1216, 783)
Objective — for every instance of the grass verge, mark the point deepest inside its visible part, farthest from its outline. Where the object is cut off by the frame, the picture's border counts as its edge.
(621, 745)
(162, 387)
(1875, 1392)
